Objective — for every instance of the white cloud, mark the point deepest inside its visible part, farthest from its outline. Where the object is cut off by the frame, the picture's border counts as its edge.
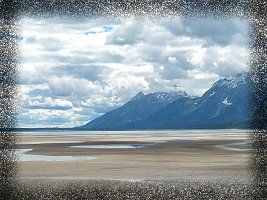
(49, 103)
(73, 71)
(51, 118)
(197, 56)
(172, 60)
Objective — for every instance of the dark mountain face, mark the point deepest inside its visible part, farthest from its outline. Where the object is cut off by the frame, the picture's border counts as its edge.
(225, 104)
(137, 109)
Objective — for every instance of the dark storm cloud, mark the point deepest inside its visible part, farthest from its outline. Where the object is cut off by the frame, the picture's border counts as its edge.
(49, 107)
(89, 72)
(215, 32)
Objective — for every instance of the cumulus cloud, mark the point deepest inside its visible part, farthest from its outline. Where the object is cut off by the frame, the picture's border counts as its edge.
(40, 102)
(75, 70)
(50, 118)
(172, 60)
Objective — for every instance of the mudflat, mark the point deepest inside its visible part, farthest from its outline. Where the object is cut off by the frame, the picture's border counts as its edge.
(173, 155)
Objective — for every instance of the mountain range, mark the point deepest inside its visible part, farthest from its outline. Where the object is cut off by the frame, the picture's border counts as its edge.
(224, 105)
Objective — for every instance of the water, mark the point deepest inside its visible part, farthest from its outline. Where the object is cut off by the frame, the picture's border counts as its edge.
(110, 146)
(152, 137)
(141, 132)
(240, 146)
(23, 156)
(51, 142)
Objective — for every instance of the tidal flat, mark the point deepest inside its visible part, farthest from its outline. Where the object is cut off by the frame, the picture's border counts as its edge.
(199, 155)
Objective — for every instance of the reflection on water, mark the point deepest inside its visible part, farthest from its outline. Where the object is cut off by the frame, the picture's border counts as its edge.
(110, 146)
(23, 156)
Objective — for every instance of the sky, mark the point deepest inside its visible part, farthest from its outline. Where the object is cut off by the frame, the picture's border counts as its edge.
(73, 71)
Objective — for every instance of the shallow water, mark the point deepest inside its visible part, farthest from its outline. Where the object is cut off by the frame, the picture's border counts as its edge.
(141, 132)
(240, 146)
(152, 137)
(110, 146)
(23, 156)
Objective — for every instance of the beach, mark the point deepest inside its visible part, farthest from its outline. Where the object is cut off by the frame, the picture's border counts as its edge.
(135, 155)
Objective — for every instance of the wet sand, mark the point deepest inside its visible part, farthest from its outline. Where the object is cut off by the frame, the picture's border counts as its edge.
(205, 156)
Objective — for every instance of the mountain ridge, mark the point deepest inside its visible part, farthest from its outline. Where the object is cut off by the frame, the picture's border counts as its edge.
(132, 111)
(225, 104)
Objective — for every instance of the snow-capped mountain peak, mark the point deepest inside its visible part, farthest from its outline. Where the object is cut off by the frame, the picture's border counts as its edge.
(138, 96)
(223, 105)
(167, 97)
(239, 79)
(232, 82)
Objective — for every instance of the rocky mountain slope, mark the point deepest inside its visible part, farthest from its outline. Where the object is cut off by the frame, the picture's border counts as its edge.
(224, 105)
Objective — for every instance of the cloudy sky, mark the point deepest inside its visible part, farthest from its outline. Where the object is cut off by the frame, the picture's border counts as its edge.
(75, 70)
